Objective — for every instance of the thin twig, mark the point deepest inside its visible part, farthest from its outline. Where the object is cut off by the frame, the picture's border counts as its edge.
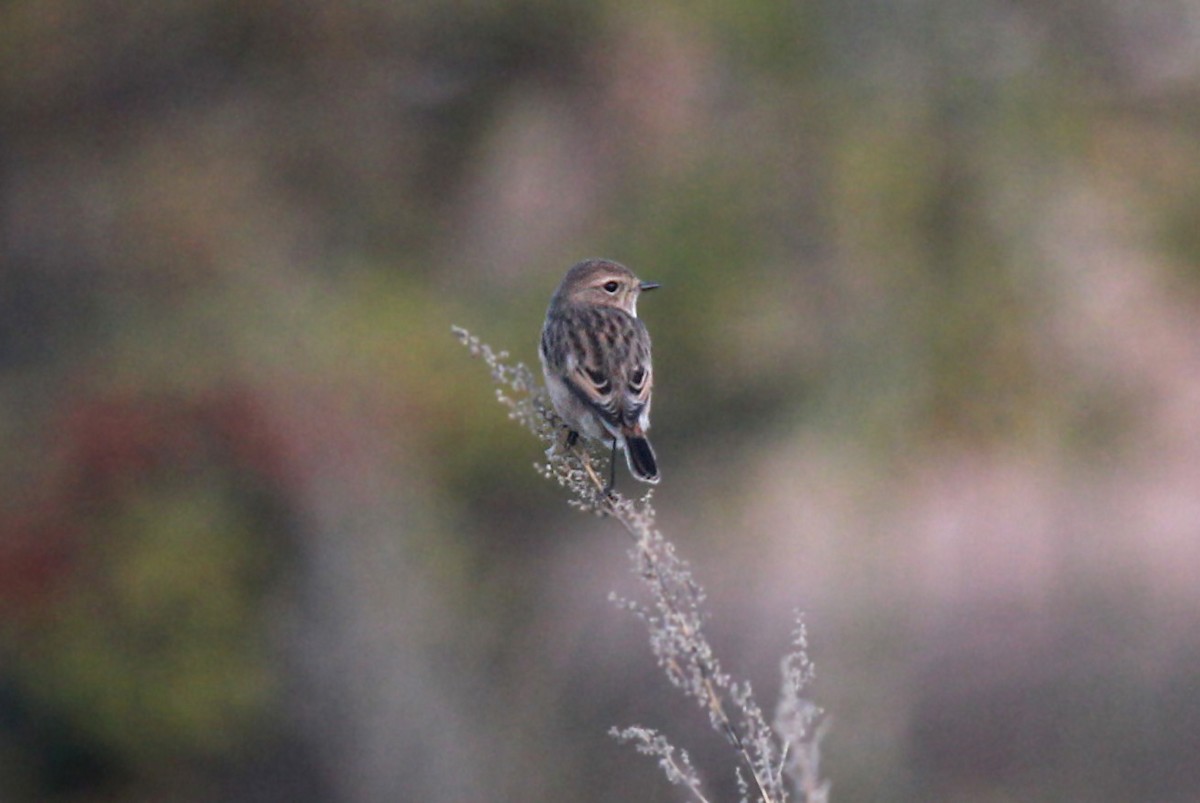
(675, 621)
(715, 702)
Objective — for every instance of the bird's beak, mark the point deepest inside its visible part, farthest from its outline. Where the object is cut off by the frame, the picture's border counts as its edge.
(644, 286)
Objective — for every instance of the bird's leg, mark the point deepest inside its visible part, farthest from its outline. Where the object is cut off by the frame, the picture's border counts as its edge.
(612, 470)
(563, 442)
(570, 442)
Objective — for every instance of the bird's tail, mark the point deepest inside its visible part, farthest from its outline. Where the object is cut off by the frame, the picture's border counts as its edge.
(640, 457)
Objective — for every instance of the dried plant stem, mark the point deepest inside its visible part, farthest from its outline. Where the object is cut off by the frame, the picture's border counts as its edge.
(674, 619)
(617, 507)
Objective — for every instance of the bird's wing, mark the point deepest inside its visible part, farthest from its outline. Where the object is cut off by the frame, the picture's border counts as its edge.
(592, 382)
(618, 368)
(603, 357)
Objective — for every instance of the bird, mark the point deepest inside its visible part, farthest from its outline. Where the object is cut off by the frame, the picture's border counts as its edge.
(595, 355)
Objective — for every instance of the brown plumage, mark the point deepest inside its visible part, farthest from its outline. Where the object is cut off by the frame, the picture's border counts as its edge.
(595, 355)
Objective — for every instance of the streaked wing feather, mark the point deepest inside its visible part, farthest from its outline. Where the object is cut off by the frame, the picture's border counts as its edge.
(606, 353)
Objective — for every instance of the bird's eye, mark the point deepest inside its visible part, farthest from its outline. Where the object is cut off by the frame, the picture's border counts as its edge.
(611, 286)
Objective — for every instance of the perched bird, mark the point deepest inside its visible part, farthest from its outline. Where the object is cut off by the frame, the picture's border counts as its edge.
(595, 355)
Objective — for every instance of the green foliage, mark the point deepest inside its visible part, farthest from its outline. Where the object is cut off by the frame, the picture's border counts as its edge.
(158, 649)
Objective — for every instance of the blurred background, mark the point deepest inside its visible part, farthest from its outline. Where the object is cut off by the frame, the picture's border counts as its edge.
(928, 369)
